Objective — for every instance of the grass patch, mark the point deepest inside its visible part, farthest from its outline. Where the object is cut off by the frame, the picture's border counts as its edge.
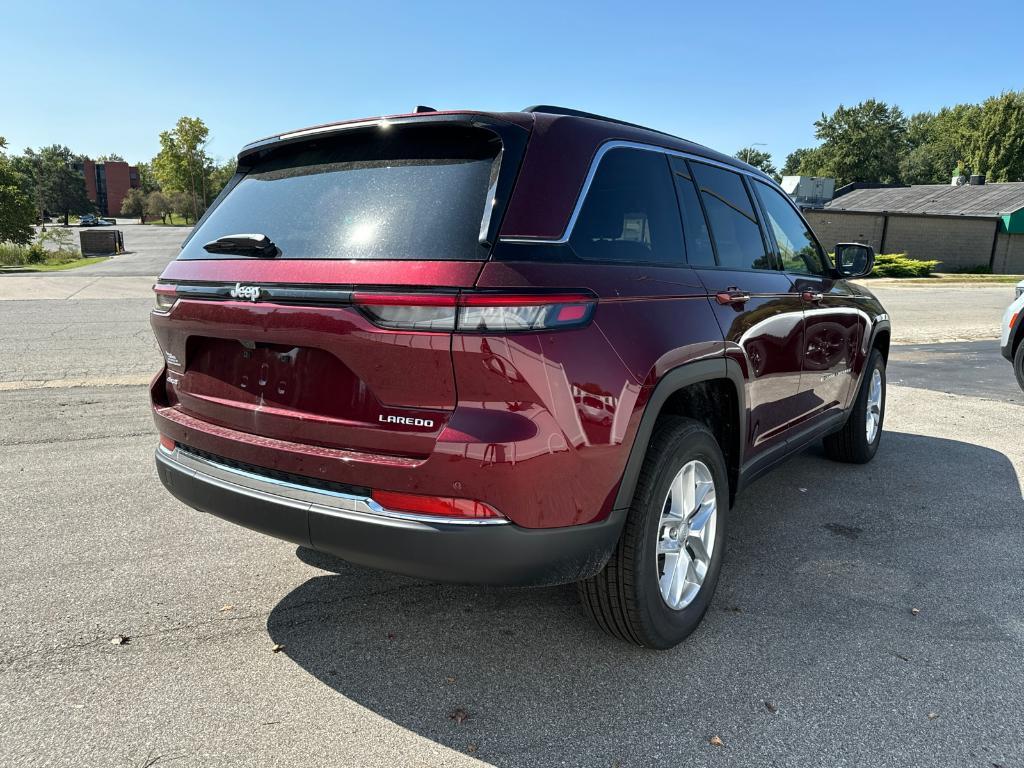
(57, 266)
(172, 221)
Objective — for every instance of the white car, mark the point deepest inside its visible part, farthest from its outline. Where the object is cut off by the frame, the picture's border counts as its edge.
(1011, 342)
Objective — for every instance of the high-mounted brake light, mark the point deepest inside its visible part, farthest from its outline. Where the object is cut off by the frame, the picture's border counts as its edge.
(476, 312)
(441, 506)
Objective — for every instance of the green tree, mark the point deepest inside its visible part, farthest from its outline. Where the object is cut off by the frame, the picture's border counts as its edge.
(861, 143)
(220, 176)
(134, 204)
(59, 180)
(938, 143)
(112, 157)
(758, 159)
(157, 204)
(794, 160)
(997, 146)
(180, 203)
(182, 164)
(147, 179)
(17, 210)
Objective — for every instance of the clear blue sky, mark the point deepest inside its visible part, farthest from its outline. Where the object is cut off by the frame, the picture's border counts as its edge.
(108, 77)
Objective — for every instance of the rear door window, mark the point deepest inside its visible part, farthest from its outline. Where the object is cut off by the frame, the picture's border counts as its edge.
(734, 224)
(699, 250)
(630, 213)
(402, 193)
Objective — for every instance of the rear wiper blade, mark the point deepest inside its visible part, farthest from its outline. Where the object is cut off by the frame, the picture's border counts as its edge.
(244, 245)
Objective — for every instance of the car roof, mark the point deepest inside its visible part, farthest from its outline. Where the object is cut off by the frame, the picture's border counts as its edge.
(562, 147)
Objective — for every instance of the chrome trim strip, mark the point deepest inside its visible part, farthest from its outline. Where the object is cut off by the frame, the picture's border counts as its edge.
(321, 501)
(601, 152)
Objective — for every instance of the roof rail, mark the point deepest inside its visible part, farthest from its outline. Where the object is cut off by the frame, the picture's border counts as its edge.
(549, 109)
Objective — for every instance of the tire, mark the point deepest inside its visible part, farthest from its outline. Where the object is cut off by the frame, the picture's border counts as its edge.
(851, 443)
(1018, 364)
(625, 598)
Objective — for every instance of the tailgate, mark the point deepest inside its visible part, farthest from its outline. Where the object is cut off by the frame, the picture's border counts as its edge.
(302, 363)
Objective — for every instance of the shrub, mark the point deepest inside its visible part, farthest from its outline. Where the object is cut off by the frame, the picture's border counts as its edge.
(900, 265)
(12, 255)
(36, 254)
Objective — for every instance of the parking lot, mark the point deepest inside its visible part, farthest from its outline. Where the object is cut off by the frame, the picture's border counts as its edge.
(866, 615)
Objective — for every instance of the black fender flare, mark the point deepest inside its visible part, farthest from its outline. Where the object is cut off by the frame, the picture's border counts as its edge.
(673, 381)
(881, 324)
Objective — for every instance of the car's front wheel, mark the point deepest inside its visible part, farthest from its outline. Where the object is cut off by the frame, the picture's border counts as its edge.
(857, 442)
(661, 577)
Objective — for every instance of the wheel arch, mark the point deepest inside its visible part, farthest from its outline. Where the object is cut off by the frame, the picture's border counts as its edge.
(710, 391)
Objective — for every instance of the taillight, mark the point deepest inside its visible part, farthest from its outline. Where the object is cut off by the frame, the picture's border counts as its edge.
(166, 295)
(441, 506)
(416, 312)
(477, 312)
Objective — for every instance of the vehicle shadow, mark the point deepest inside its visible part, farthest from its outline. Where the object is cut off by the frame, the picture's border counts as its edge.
(825, 563)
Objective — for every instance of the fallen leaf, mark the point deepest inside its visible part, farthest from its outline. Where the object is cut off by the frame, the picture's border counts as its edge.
(120, 640)
(278, 647)
(915, 611)
(459, 715)
(450, 680)
(471, 748)
(715, 741)
(391, 635)
(227, 607)
(933, 715)
(771, 706)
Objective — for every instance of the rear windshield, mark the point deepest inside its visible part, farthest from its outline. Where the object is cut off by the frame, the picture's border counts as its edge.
(386, 193)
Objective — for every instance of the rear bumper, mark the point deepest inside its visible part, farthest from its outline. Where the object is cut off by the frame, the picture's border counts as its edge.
(358, 530)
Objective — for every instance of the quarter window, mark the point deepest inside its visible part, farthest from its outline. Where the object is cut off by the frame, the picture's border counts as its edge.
(797, 246)
(733, 221)
(630, 213)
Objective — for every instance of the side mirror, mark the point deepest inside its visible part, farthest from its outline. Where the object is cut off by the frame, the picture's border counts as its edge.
(854, 260)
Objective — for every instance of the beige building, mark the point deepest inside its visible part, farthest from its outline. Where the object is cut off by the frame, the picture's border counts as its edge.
(961, 226)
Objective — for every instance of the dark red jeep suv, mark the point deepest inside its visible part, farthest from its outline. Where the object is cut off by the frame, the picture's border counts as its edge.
(509, 348)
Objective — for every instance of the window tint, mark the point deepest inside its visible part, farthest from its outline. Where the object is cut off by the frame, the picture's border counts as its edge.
(413, 193)
(699, 251)
(799, 251)
(630, 213)
(731, 215)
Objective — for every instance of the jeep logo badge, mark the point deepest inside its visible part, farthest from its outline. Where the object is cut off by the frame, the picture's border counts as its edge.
(250, 292)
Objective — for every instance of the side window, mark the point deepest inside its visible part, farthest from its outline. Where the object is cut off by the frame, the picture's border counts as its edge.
(797, 246)
(630, 213)
(733, 221)
(699, 251)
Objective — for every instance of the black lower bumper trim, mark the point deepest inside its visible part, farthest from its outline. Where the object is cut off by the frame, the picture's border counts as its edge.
(470, 554)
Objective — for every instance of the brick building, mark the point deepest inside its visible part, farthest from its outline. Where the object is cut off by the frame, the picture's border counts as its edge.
(968, 225)
(108, 182)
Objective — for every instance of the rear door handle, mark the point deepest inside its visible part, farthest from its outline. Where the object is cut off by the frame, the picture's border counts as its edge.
(732, 296)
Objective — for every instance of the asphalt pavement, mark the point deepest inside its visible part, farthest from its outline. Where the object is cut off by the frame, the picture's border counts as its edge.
(866, 616)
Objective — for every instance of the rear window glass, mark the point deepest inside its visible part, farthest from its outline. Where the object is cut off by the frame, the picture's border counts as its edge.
(399, 193)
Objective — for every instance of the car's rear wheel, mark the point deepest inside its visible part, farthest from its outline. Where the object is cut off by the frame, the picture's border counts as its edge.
(661, 577)
(1018, 365)
(857, 442)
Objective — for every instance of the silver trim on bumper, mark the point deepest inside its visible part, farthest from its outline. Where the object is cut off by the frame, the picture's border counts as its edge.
(321, 501)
